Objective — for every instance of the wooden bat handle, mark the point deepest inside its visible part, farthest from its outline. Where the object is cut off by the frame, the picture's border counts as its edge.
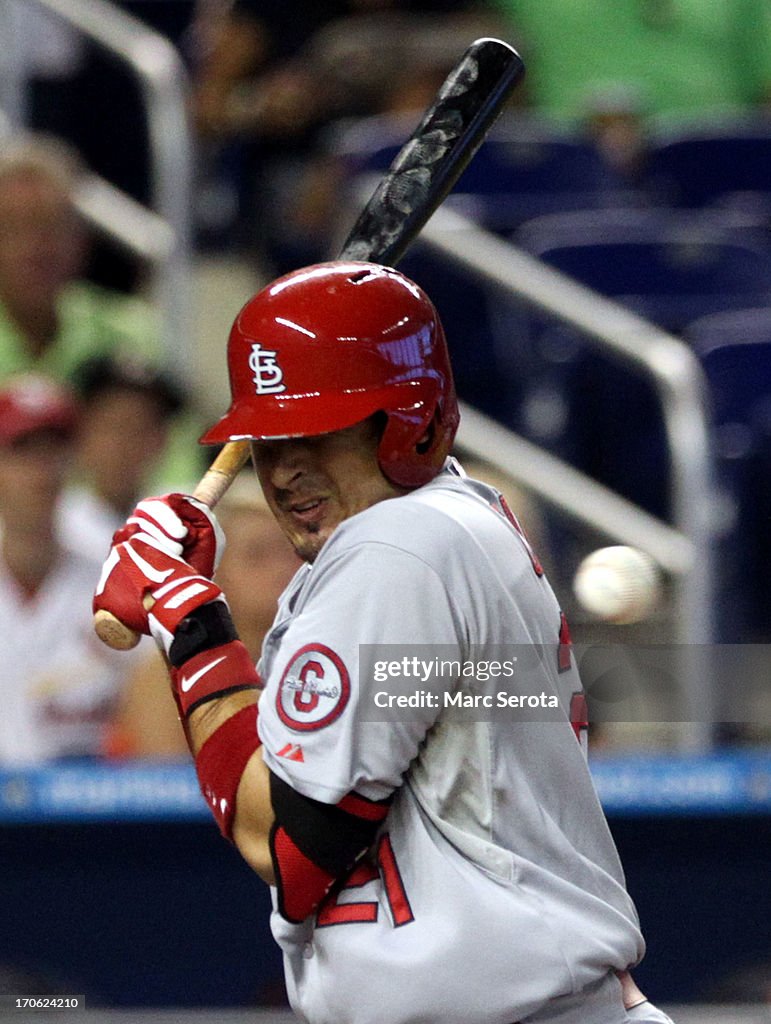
(222, 472)
(212, 486)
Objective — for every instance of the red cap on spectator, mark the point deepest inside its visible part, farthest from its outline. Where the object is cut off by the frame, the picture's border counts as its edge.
(29, 404)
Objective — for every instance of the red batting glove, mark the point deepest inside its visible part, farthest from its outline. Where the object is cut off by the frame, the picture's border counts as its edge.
(182, 526)
(150, 590)
(156, 593)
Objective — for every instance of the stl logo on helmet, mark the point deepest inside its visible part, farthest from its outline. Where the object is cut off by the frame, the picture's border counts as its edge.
(268, 375)
(314, 689)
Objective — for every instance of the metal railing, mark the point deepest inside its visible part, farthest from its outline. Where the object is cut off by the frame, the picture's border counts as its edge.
(161, 235)
(684, 548)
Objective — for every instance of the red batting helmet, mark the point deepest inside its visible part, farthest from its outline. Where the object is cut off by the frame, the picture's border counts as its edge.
(329, 345)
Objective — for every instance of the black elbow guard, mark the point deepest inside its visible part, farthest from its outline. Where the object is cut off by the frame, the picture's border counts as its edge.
(313, 844)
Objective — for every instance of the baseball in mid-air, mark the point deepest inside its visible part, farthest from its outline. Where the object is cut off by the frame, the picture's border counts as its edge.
(618, 584)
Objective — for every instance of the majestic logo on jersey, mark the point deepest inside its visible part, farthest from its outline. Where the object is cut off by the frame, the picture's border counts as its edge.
(292, 752)
(268, 375)
(314, 689)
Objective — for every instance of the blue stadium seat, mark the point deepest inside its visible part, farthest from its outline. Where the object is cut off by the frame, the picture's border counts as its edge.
(638, 223)
(718, 161)
(525, 167)
(669, 267)
(735, 350)
(545, 382)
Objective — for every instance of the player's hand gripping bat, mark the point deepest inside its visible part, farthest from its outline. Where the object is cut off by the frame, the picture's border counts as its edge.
(422, 174)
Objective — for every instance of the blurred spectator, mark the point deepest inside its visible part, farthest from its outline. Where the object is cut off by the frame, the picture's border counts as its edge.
(674, 56)
(271, 77)
(616, 64)
(60, 685)
(51, 318)
(146, 722)
(127, 410)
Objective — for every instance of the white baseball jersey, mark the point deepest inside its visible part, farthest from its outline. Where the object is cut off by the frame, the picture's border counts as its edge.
(59, 684)
(86, 522)
(494, 885)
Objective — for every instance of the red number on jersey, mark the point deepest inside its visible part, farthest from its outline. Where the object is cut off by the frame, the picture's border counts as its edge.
(565, 645)
(579, 716)
(579, 709)
(331, 912)
(401, 911)
(506, 509)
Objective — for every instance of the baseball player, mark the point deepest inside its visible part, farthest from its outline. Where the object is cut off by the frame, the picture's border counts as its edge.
(428, 864)
(60, 689)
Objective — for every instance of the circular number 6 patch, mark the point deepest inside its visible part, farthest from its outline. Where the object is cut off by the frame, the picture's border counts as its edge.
(314, 689)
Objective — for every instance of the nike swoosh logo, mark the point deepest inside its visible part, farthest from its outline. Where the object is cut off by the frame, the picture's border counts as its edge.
(188, 682)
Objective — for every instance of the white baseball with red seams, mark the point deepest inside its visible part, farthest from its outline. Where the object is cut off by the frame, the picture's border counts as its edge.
(618, 584)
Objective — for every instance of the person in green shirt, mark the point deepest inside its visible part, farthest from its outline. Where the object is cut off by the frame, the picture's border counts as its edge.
(52, 319)
(669, 57)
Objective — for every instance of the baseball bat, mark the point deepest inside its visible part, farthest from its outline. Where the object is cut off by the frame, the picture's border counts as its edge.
(420, 177)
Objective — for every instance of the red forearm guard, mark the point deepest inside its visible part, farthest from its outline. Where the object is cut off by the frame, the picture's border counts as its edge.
(213, 673)
(313, 844)
(301, 884)
(221, 762)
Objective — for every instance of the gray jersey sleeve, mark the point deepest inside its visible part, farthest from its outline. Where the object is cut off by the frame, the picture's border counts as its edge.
(318, 711)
